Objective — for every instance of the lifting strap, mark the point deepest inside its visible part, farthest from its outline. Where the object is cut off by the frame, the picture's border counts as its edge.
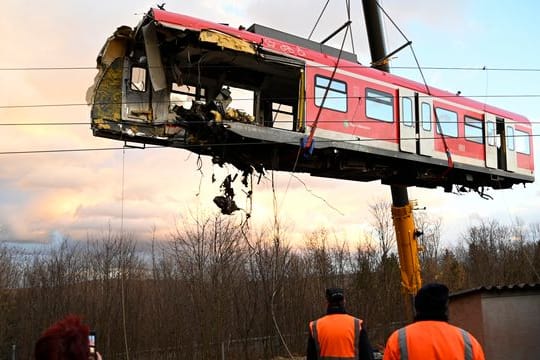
(307, 144)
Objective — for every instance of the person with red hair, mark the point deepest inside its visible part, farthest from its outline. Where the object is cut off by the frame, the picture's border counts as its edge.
(65, 339)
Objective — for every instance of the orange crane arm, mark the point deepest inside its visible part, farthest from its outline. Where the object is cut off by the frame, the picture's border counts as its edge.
(406, 235)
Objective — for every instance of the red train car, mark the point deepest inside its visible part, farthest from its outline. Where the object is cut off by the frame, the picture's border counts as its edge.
(255, 97)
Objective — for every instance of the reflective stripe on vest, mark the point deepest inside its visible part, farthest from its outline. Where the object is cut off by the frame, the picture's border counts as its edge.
(315, 334)
(404, 354)
(402, 340)
(467, 344)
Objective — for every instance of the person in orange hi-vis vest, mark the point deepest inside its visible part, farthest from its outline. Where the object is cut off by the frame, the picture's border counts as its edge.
(338, 335)
(430, 336)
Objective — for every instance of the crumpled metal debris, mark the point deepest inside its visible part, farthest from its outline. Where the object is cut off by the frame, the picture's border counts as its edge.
(226, 202)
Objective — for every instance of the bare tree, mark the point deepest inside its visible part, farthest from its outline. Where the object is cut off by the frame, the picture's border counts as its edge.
(383, 226)
(429, 241)
(9, 281)
(209, 254)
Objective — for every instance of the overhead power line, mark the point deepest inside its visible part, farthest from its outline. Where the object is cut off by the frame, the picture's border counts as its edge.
(46, 123)
(42, 68)
(457, 68)
(65, 150)
(483, 96)
(324, 121)
(217, 145)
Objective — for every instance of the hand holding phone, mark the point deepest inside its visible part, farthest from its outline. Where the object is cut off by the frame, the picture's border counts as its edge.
(92, 341)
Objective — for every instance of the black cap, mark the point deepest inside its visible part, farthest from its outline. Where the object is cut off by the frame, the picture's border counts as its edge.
(431, 301)
(334, 295)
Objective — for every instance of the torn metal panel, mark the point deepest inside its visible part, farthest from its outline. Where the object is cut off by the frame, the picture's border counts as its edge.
(136, 97)
(227, 41)
(107, 100)
(114, 47)
(153, 55)
(160, 107)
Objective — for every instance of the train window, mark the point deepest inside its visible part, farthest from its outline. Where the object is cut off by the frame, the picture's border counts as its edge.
(448, 122)
(426, 116)
(473, 130)
(336, 95)
(138, 79)
(510, 143)
(522, 142)
(379, 105)
(490, 133)
(406, 111)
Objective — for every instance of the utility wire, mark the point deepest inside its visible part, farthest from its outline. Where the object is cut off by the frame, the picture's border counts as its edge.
(421, 96)
(194, 122)
(255, 143)
(61, 150)
(449, 67)
(42, 68)
(45, 123)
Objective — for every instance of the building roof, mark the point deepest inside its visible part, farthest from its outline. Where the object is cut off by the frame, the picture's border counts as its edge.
(497, 289)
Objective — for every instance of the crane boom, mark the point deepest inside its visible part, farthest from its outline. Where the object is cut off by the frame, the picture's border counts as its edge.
(407, 244)
(402, 209)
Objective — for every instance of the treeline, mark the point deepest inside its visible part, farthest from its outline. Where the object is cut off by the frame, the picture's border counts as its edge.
(216, 291)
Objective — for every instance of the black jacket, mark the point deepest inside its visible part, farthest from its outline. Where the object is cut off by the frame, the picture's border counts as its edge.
(366, 352)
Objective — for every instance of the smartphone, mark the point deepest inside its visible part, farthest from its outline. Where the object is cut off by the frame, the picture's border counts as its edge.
(92, 341)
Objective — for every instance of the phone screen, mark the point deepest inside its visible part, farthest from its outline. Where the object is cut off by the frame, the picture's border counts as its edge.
(92, 341)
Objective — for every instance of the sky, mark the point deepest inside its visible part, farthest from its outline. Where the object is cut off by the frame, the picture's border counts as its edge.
(58, 181)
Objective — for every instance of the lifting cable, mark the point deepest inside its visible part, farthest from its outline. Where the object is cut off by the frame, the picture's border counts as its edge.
(123, 271)
(276, 250)
(348, 7)
(408, 43)
(318, 19)
(439, 127)
(307, 144)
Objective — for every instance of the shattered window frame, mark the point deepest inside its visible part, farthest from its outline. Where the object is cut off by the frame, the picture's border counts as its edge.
(184, 95)
(138, 78)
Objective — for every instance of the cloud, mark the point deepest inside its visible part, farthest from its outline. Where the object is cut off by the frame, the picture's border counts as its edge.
(78, 193)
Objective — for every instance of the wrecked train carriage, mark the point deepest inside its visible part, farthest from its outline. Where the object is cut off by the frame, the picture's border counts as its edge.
(251, 97)
(176, 85)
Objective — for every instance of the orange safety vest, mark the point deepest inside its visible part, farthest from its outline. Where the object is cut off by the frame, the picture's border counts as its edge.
(336, 336)
(432, 340)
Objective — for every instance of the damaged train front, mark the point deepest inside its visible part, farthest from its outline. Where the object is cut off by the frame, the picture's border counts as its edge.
(139, 94)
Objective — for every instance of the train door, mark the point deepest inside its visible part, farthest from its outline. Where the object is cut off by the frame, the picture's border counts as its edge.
(426, 127)
(490, 141)
(141, 101)
(407, 121)
(500, 143)
(511, 156)
(136, 93)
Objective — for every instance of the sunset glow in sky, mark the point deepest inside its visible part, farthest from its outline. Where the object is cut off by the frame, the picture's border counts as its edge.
(58, 180)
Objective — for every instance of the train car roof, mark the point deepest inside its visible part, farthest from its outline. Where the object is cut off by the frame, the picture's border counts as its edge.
(326, 55)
